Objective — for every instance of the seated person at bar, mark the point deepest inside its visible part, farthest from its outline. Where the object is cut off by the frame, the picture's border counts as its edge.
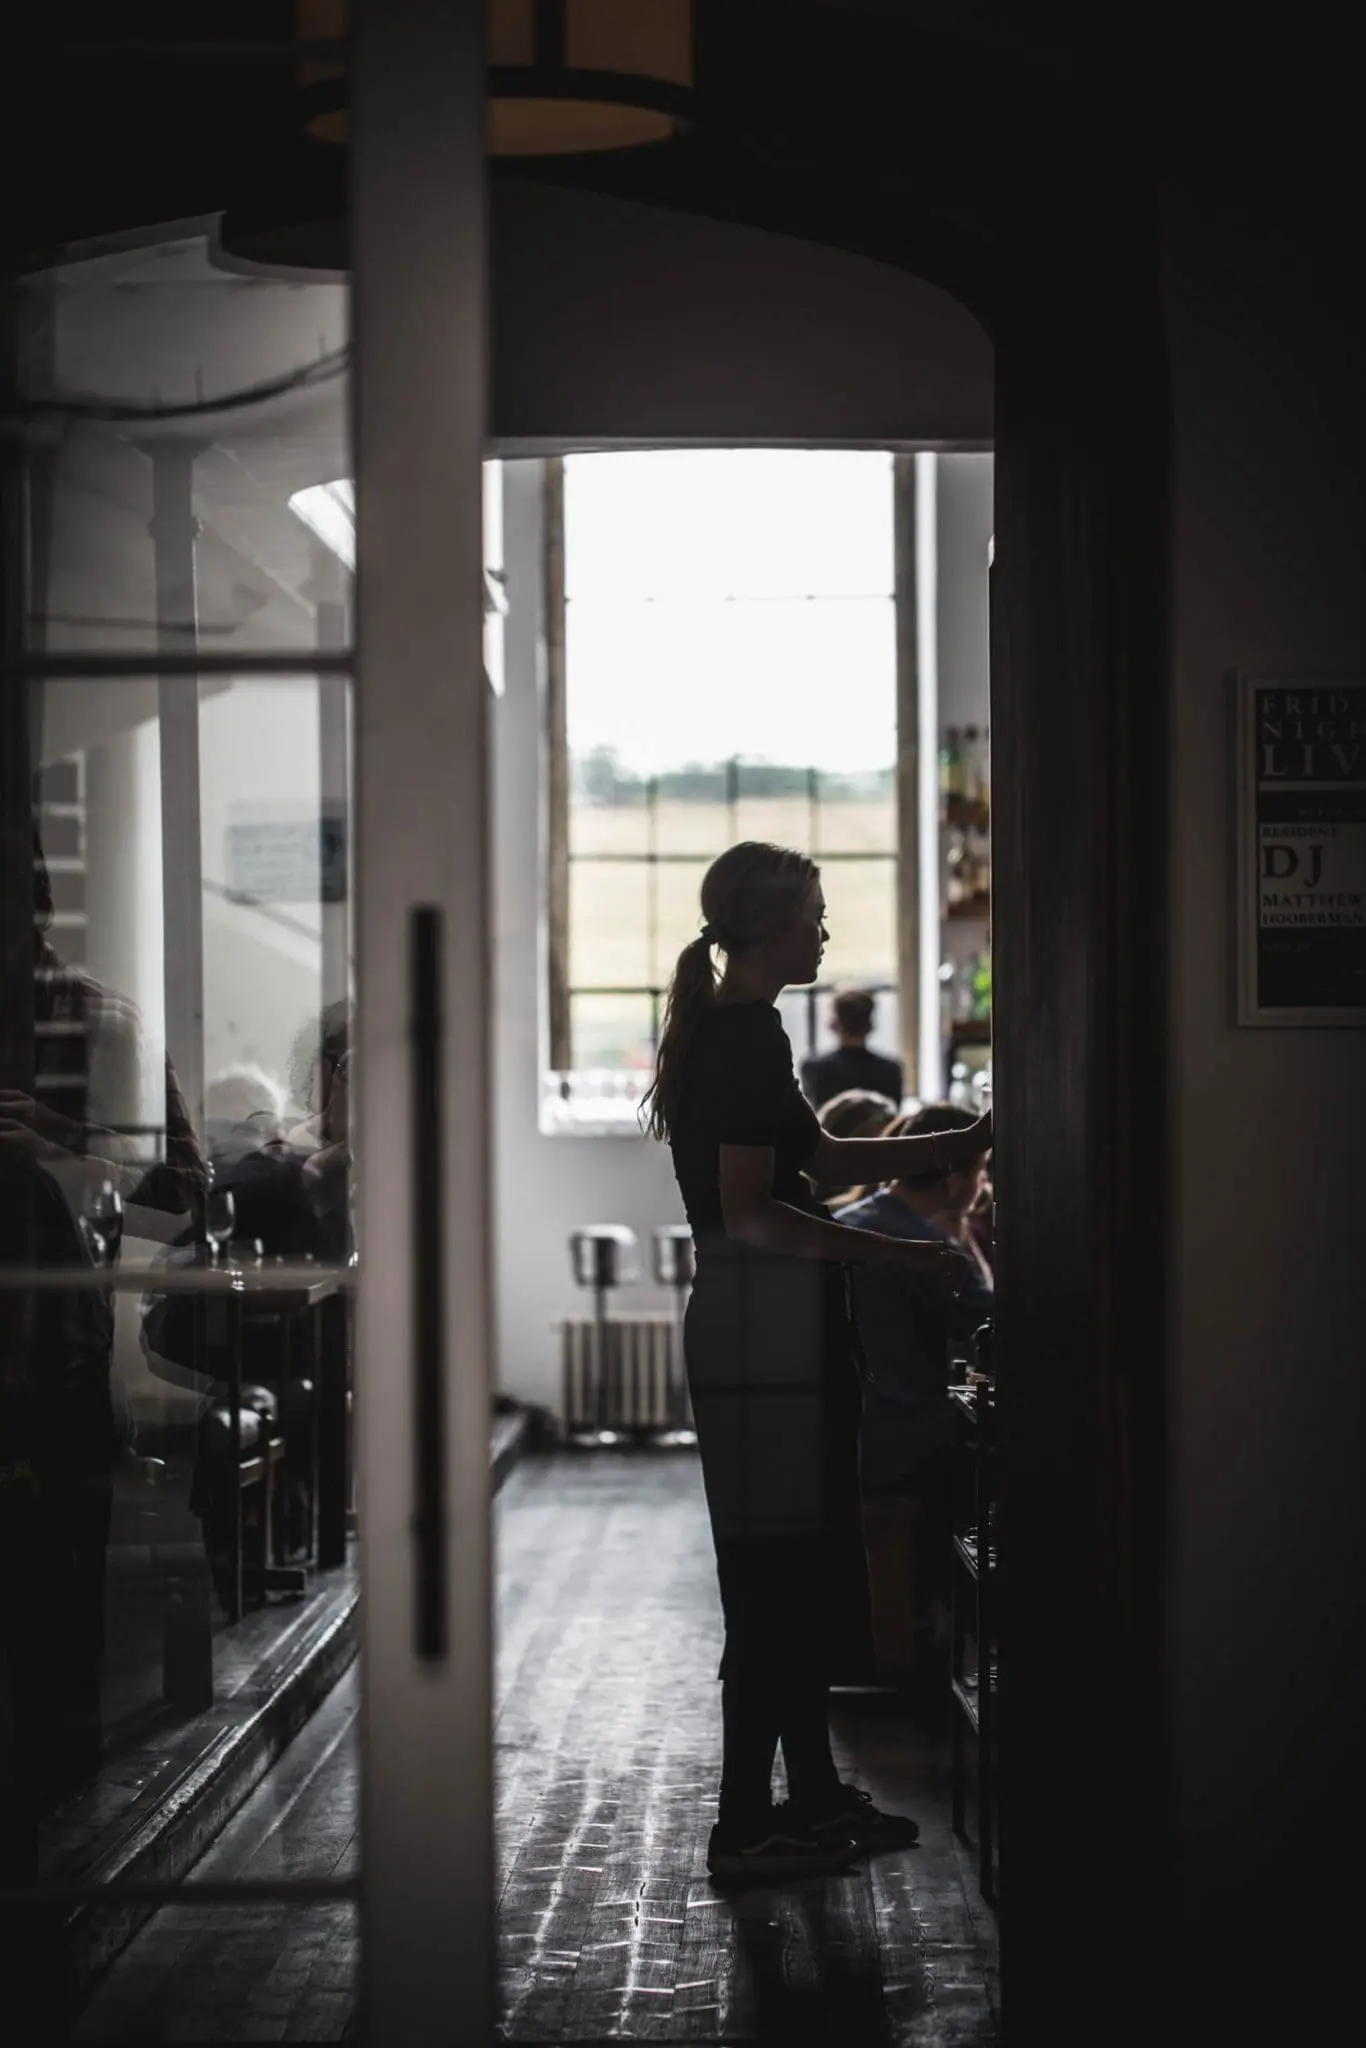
(244, 1109)
(906, 1322)
(851, 1064)
(270, 1208)
(857, 1113)
(318, 1052)
(982, 1224)
(294, 1203)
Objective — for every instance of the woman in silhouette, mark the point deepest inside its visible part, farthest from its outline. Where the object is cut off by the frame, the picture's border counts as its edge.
(773, 1358)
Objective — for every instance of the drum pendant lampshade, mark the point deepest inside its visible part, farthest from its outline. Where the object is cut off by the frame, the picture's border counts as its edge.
(566, 77)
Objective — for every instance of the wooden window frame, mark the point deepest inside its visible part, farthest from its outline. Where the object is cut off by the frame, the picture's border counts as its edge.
(555, 756)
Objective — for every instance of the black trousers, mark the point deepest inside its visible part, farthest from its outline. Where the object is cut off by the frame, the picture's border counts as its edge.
(757, 1717)
(774, 1379)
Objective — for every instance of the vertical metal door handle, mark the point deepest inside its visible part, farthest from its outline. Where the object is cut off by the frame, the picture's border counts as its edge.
(429, 1319)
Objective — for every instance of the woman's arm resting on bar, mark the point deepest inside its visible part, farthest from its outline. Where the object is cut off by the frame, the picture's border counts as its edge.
(754, 1216)
(849, 1161)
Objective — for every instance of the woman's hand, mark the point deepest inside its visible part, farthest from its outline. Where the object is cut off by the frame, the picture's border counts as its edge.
(930, 1259)
(974, 1142)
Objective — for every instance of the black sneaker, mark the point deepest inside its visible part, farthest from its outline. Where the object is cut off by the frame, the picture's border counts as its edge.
(853, 1816)
(777, 1850)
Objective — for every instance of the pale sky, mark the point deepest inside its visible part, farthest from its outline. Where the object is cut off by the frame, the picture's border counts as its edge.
(734, 601)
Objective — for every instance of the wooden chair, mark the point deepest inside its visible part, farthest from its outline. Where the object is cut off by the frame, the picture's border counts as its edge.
(243, 1449)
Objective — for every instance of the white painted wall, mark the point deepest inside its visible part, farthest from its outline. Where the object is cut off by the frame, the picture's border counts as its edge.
(614, 320)
(125, 947)
(545, 1187)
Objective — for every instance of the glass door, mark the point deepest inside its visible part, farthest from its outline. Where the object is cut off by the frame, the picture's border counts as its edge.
(244, 1630)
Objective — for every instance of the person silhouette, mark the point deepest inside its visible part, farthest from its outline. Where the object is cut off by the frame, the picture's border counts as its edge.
(773, 1358)
(852, 1063)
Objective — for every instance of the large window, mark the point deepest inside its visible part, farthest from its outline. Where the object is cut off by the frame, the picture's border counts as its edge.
(724, 666)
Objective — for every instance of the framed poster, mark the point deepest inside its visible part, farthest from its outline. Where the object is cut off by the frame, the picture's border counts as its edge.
(1301, 851)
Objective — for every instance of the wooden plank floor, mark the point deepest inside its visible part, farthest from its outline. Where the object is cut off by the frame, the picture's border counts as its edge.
(259, 1972)
(607, 1732)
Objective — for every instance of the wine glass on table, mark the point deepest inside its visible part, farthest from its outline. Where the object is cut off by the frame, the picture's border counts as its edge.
(220, 1219)
(102, 1222)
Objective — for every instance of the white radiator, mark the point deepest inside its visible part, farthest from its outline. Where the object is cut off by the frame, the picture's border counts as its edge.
(642, 1389)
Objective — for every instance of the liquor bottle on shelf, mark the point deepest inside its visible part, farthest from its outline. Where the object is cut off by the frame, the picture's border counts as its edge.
(967, 875)
(950, 768)
(981, 985)
(958, 885)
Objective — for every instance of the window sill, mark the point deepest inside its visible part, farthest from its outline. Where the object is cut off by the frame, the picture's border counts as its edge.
(592, 1104)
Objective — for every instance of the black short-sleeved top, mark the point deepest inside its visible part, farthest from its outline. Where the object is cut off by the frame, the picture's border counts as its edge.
(739, 1088)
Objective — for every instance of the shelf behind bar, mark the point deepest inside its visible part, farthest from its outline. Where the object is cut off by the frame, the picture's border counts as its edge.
(965, 814)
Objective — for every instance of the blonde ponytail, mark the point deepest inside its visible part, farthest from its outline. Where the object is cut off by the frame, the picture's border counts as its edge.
(691, 991)
(750, 892)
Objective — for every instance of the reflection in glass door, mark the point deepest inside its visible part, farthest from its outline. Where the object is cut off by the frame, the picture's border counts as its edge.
(243, 1187)
(176, 1472)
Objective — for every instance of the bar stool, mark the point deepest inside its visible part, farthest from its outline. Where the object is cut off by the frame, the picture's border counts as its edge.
(675, 1267)
(604, 1255)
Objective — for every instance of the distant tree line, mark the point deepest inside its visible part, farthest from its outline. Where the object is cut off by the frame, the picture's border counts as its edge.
(598, 777)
